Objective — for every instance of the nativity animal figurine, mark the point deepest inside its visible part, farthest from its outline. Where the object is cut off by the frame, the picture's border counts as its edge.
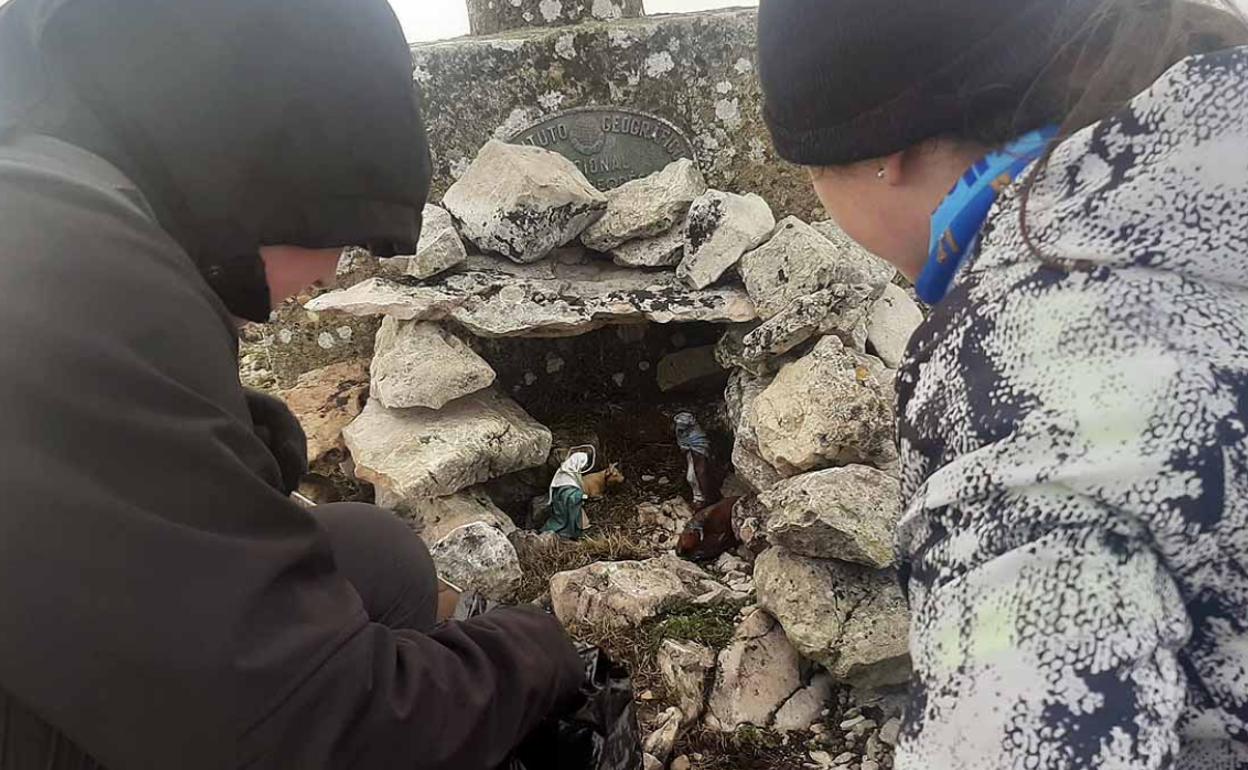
(597, 484)
(709, 532)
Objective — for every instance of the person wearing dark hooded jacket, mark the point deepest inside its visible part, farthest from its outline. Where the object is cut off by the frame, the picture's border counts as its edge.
(163, 603)
(1074, 411)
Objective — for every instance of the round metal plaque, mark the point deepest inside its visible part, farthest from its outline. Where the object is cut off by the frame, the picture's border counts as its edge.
(609, 145)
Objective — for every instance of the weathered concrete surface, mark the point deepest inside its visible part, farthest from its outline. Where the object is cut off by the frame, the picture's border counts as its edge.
(486, 17)
(695, 70)
(275, 354)
(492, 298)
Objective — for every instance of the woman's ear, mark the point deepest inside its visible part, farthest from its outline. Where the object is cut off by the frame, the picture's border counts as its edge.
(894, 168)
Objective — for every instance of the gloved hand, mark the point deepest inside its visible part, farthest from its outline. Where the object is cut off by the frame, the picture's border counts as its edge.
(281, 432)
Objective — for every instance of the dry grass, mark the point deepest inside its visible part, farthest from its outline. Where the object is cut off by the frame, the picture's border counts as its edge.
(541, 562)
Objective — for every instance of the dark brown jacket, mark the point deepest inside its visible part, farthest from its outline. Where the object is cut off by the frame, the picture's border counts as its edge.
(162, 604)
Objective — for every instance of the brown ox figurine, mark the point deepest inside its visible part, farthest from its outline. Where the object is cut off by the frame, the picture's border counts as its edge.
(709, 532)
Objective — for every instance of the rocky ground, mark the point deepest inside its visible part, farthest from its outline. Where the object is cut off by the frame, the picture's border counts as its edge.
(786, 653)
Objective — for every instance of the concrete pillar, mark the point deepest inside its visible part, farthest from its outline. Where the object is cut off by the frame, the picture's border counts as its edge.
(489, 17)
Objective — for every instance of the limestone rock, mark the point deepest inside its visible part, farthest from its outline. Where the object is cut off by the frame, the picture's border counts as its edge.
(806, 705)
(749, 520)
(664, 250)
(757, 673)
(845, 513)
(870, 263)
(644, 208)
(722, 227)
(798, 261)
(522, 202)
(479, 557)
(440, 247)
(624, 593)
(435, 519)
(326, 400)
(740, 397)
(493, 299)
(828, 408)
(838, 310)
(421, 364)
(650, 762)
(849, 618)
(894, 317)
(688, 367)
(659, 743)
(685, 667)
(421, 453)
(667, 518)
(356, 264)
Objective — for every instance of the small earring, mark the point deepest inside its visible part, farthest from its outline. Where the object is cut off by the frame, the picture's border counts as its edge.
(880, 174)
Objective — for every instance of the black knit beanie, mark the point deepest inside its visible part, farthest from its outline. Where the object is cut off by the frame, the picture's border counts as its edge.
(846, 80)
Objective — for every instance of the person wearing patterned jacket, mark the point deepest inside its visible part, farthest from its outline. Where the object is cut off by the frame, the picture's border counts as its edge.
(1074, 412)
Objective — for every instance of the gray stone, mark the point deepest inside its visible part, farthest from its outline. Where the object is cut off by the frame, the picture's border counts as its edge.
(806, 705)
(696, 70)
(721, 228)
(491, 298)
(740, 398)
(894, 317)
(749, 519)
(624, 593)
(479, 557)
(645, 208)
(355, 264)
(440, 247)
(664, 250)
(668, 519)
(890, 731)
(871, 264)
(839, 310)
(435, 519)
(798, 260)
(757, 673)
(828, 408)
(659, 743)
(486, 17)
(422, 453)
(688, 367)
(650, 762)
(681, 763)
(421, 364)
(845, 513)
(522, 202)
(686, 667)
(850, 619)
(326, 400)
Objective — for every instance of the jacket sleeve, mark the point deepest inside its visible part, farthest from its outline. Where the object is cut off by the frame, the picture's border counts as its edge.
(1048, 616)
(1060, 652)
(161, 603)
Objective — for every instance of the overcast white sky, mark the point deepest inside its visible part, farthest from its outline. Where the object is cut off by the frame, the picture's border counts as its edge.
(440, 19)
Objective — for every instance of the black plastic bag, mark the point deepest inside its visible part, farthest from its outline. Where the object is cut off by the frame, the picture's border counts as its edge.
(600, 735)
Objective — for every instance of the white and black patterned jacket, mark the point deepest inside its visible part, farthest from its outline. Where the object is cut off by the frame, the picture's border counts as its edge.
(1075, 457)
